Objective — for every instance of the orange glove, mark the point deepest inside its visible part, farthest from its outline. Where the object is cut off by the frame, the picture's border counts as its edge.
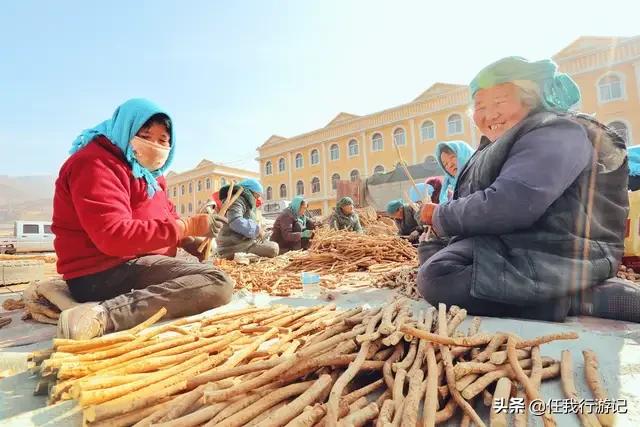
(204, 225)
(426, 213)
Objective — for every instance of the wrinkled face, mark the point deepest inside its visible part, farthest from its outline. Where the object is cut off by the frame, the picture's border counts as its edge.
(399, 214)
(347, 209)
(450, 162)
(155, 133)
(303, 208)
(497, 109)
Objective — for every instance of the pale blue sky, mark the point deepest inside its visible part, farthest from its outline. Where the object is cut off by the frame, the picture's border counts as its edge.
(232, 73)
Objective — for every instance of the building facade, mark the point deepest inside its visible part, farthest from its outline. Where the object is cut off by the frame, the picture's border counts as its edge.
(350, 146)
(191, 189)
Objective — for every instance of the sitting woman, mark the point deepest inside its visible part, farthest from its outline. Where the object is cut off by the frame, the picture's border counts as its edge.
(451, 157)
(293, 229)
(242, 233)
(117, 232)
(537, 220)
(344, 218)
(407, 220)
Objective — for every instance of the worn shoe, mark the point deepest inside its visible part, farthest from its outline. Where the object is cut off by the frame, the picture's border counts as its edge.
(614, 299)
(83, 322)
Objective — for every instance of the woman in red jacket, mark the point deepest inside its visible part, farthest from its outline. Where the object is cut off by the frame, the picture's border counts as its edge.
(117, 233)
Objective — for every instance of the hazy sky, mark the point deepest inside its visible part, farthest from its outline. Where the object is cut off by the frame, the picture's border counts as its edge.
(232, 73)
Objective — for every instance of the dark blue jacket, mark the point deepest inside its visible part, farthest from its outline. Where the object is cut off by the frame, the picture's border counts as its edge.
(545, 206)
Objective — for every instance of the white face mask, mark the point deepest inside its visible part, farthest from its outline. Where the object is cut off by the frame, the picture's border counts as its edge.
(150, 155)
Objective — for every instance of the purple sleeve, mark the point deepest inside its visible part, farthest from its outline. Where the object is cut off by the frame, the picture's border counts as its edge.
(540, 167)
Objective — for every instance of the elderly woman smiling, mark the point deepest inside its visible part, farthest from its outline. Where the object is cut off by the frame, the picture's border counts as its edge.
(537, 220)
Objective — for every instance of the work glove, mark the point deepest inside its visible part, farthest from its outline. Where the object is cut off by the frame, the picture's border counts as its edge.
(306, 234)
(414, 236)
(260, 233)
(426, 213)
(201, 225)
(191, 245)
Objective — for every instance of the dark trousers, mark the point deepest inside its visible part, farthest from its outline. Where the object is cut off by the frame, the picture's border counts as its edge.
(445, 276)
(132, 292)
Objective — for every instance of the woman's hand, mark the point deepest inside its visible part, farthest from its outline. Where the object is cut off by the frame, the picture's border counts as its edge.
(191, 245)
(202, 225)
(426, 213)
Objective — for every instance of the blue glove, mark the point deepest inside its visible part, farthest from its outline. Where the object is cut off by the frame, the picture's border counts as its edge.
(306, 234)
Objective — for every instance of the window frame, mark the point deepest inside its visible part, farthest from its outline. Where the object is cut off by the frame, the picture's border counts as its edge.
(433, 127)
(461, 132)
(394, 133)
(373, 142)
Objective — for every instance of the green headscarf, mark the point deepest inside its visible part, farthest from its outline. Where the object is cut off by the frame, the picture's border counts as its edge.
(394, 205)
(558, 91)
(295, 209)
(344, 202)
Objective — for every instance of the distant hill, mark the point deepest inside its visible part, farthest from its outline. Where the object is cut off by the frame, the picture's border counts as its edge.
(26, 197)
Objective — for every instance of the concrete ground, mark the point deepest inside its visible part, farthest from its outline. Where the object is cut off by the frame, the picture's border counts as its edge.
(615, 343)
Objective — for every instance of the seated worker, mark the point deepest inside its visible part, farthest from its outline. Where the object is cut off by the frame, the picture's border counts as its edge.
(344, 218)
(537, 221)
(242, 233)
(293, 229)
(451, 157)
(117, 233)
(407, 220)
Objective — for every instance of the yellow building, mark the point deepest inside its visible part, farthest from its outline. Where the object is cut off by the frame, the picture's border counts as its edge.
(350, 146)
(191, 189)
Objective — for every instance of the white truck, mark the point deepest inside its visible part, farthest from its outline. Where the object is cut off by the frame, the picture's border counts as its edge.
(29, 236)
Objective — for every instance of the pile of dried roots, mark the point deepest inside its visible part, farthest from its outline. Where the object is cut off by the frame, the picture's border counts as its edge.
(374, 224)
(333, 255)
(404, 279)
(277, 366)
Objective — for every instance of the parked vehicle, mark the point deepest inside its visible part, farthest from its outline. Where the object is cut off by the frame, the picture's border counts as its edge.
(29, 236)
(271, 209)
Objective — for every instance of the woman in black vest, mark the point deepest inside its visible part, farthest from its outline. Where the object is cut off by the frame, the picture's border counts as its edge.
(536, 225)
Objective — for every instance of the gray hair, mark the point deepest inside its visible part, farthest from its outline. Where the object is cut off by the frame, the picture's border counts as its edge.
(530, 93)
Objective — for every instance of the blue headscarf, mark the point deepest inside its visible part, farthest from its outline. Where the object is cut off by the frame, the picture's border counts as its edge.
(252, 185)
(463, 154)
(121, 128)
(558, 91)
(424, 190)
(295, 209)
(634, 160)
(394, 205)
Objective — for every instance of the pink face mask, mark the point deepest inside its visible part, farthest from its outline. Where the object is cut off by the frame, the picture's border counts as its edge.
(150, 155)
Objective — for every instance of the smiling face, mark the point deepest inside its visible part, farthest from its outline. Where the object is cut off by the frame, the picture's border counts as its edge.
(497, 109)
(449, 162)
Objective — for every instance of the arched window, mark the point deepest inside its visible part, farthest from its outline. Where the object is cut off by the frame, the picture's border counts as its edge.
(269, 193)
(199, 185)
(281, 165)
(334, 181)
(315, 157)
(190, 207)
(268, 168)
(354, 175)
(610, 88)
(299, 188)
(428, 130)
(283, 191)
(315, 185)
(190, 187)
(621, 129)
(353, 148)
(377, 143)
(182, 209)
(299, 161)
(223, 182)
(378, 169)
(454, 124)
(208, 183)
(175, 192)
(334, 152)
(398, 137)
(182, 190)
